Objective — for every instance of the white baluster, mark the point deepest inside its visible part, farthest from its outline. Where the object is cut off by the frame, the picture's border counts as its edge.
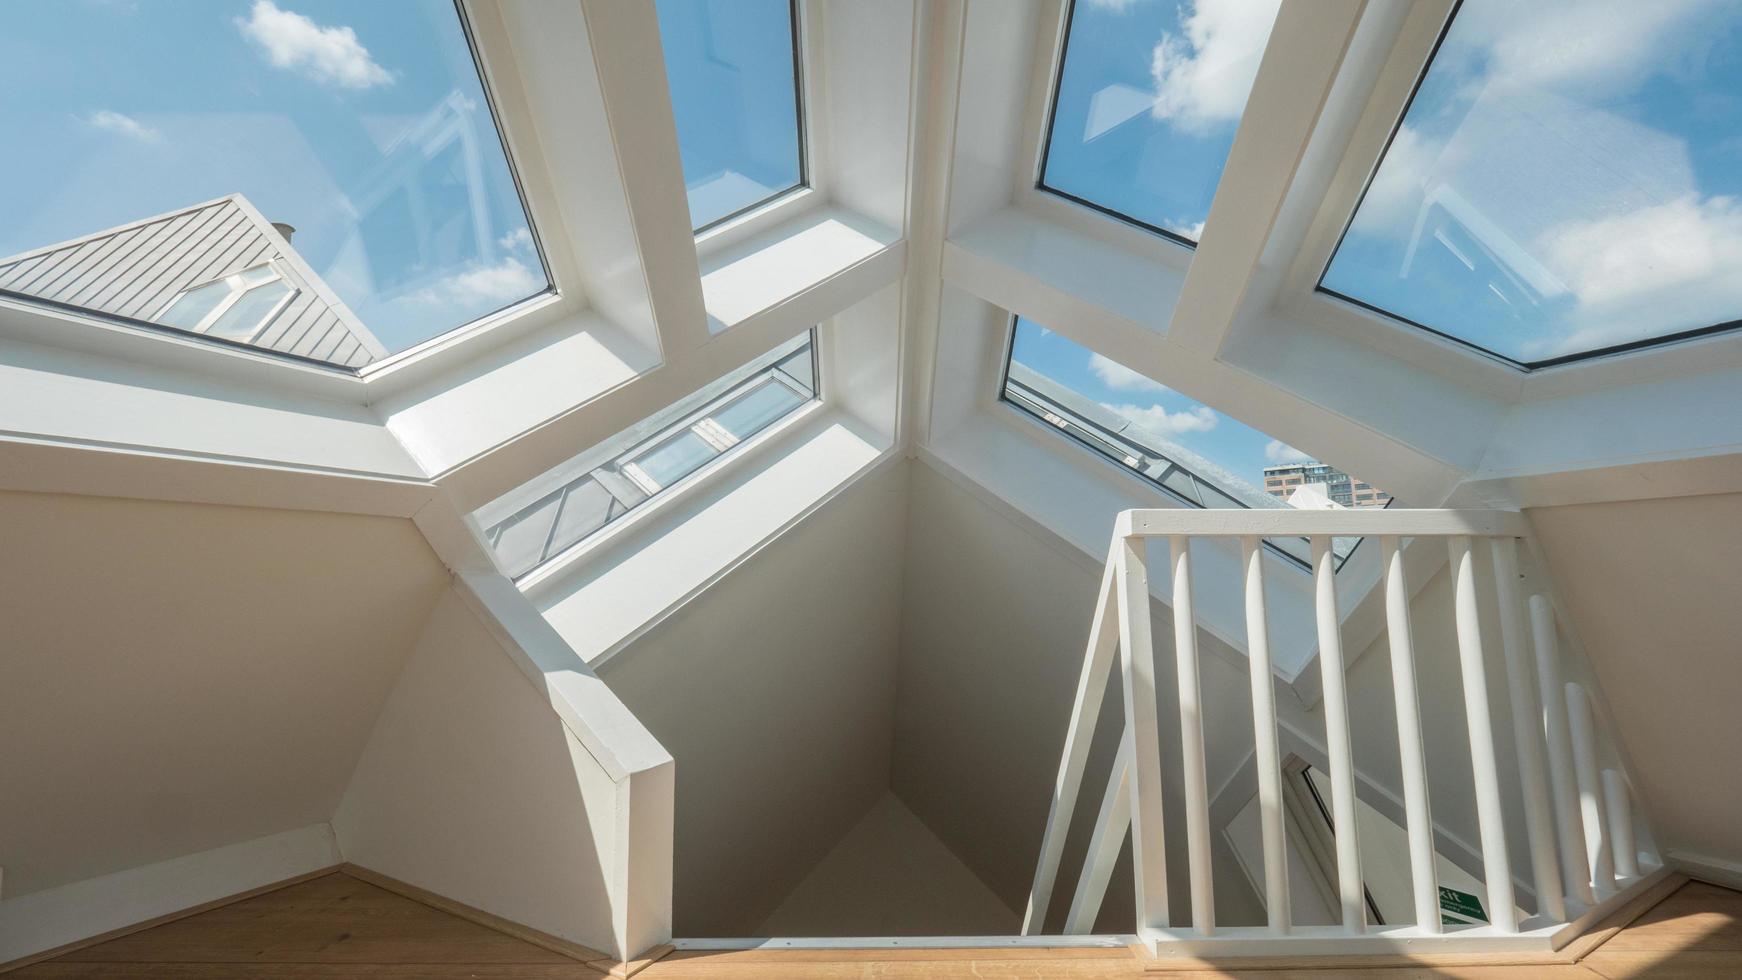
(1349, 889)
(1575, 872)
(1110, 826)
(1266, 757)
(1620, 802)
(1085, 710)
(1137, 656)
(1526, 733)
(1424, 876)
(1496, 864)
(1600, 861)
(1191, 738)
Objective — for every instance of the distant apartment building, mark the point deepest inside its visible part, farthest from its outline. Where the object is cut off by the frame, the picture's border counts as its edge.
(1341, 488)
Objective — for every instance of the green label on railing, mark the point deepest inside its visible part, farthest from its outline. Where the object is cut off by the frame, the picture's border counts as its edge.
(1460, 908)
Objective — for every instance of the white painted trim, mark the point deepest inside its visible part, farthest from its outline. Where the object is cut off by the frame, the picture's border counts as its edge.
(909, 942)
(1716, 870)
(44, 920)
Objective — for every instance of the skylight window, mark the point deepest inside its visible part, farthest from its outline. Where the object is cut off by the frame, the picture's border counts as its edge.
(1193, 453)
(1148, 97)
(733, 70)
(567, 504)
(1564, 183)
(348, 148)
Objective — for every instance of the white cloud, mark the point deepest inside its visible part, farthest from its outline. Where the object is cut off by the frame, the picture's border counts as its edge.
(1664, 263)
(503, 282)
(518, 238)
(1117, 6)
(331, 55)
(115, 122)
(1277, 452)
(1585, 48)
(1163, 422)
(1204, 73)
(1118, 376)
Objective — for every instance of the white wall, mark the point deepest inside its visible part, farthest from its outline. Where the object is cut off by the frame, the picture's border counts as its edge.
(180, 677)
(891, 876)
(994, 624)
(1652, 586)
(774, 691)
(471, 787)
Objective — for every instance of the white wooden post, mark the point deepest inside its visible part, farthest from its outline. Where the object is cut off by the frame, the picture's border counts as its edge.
(1620, 803)
(1342, 760)
(1526, 733)
(1091, 690)
(1496, 863)
(1600, 861)
(1137, 656)
(1570, 827)
(1110, 826)
(1266, 756)
(1424, 875)
(1191, 738)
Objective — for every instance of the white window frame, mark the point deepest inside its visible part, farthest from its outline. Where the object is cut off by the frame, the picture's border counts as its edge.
(238, 289)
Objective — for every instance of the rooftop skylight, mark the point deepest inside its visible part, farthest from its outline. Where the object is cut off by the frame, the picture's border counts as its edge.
(1148, 98)
(1565, 182)
(1193, 453)
(166, 140)
(580, 496)
(734, 76)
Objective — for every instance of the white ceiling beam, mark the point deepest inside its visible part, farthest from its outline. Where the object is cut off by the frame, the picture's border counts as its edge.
(1294, 81)
(630, 62)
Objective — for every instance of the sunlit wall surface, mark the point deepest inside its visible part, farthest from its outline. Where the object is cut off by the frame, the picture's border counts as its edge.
(1565, 181)
(1148, 99)
(734, 93)
(362, 125)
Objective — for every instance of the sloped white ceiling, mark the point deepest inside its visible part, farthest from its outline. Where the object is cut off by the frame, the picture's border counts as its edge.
(176, 677)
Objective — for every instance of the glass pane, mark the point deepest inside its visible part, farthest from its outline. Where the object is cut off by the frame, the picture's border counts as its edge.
(165, 136)
(248, 314)
(676, 459)
(1148, 98)
(193, 306)
(1565, 181)
(520, 545)
(587, 507)
(1216, 462)
(663, 447)
(734, 93)
(757, 410)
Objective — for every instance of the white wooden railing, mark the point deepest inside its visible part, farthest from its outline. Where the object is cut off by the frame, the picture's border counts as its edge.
(1578, 819)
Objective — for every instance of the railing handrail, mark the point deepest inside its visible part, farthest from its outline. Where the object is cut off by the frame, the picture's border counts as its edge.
(1291, 523)
(1120, 638)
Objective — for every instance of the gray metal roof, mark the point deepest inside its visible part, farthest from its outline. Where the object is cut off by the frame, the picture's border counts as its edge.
(135, 270)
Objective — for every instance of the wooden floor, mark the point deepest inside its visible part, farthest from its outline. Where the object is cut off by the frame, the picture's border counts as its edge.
(340, 926)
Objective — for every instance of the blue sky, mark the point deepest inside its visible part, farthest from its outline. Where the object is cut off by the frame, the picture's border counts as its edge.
(1567, 178)
(1240, 449)
(730, 69)
(1148, 101)
(362, 124)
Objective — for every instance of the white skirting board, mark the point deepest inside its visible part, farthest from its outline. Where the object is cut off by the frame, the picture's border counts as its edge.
(43, 920)
(1705, 867)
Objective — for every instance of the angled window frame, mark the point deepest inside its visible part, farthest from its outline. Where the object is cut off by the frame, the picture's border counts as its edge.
(653, 494)
(1125, 454)
(108, 334)
(781, 204)
(1315, 260)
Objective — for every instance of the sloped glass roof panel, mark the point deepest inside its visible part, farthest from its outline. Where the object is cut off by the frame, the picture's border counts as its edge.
(1149, 94)
(734, 77)
(165, 138)
(562, 507)
(1566, 181)
(1194, 453)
